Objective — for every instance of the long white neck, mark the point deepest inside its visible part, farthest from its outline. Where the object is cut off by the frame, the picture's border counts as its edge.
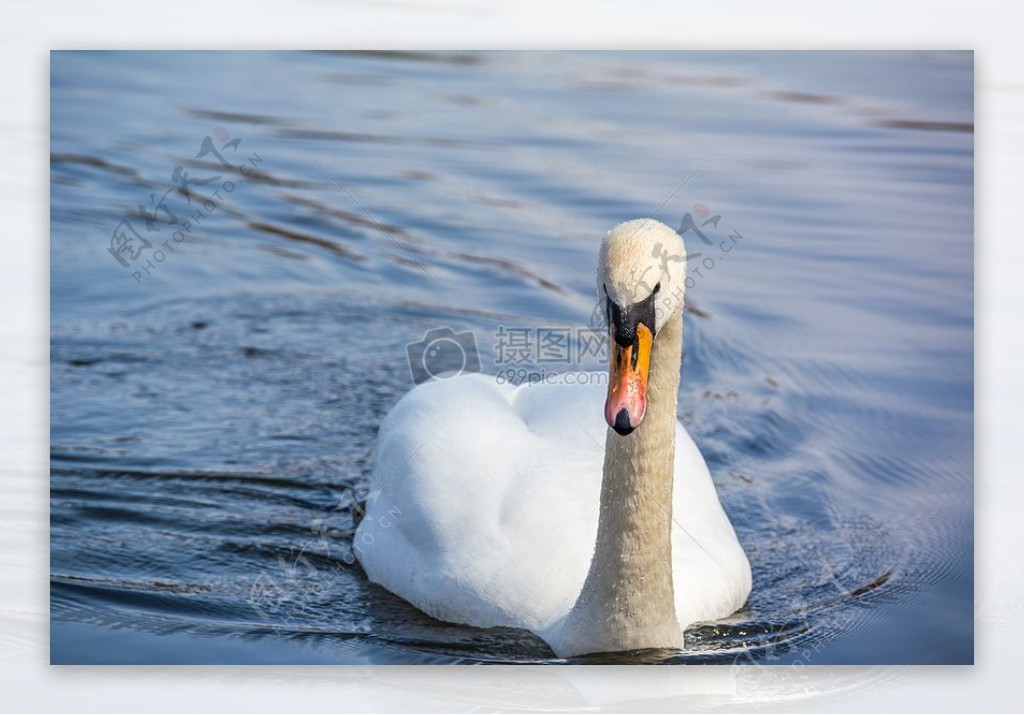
(627, 601)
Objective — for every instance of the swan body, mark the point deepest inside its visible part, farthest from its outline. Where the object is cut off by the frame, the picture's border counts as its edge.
(499, 505)
(488, 501)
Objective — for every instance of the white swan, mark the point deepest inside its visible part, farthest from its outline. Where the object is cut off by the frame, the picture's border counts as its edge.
(489, 504)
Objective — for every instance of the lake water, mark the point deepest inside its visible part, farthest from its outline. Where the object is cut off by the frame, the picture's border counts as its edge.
(215, 395)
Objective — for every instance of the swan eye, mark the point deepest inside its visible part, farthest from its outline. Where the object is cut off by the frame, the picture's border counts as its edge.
(656, 288)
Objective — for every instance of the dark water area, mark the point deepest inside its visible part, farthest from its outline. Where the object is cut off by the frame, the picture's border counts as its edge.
(215, 397)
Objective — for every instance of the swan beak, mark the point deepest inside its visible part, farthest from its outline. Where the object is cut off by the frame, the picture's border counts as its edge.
(627, 381)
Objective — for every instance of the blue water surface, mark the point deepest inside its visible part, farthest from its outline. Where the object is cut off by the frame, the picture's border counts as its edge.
(219, 371)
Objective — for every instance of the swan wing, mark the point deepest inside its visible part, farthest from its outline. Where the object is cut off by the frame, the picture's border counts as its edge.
(710, 572)
(484, 499)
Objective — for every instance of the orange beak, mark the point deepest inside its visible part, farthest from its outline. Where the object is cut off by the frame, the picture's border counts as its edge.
(627, 381)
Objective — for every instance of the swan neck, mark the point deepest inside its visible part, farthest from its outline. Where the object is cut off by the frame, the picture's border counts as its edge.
(629, 589)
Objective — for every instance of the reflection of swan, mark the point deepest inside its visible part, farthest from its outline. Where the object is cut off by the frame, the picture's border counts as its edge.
(488, 505)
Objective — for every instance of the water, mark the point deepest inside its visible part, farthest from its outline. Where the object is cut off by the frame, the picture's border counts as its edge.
(213, 417)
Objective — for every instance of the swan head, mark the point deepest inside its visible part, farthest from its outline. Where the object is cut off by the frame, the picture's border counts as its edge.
(641, 280)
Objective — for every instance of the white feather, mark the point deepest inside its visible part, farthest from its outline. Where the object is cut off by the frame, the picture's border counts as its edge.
(484, 506)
